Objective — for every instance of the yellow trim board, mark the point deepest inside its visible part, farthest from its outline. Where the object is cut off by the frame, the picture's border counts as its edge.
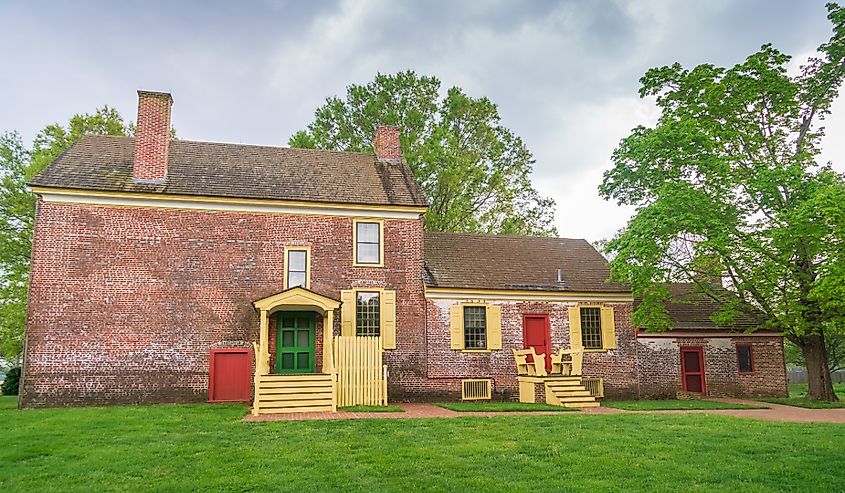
(202, 202)
(519, 295)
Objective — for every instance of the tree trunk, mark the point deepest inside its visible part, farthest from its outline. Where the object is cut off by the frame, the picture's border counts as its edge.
(819, 384)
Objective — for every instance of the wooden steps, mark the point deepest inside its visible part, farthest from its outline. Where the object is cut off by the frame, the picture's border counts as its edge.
(294, 394)
(568, 392)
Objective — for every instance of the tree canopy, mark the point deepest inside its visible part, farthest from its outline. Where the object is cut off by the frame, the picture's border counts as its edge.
(727, 186)
(19, 163)
(474, 171)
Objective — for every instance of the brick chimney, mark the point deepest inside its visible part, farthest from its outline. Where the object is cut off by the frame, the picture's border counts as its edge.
(386, 144)
(152, 137)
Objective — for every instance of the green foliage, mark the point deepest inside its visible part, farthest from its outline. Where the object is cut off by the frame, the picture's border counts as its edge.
(834, 345)
(11, 382)
(726, 184)
(475, 172)
(17, 211)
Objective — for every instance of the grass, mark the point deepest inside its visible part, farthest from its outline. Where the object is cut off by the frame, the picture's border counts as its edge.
(203, 447)
(798, 398)
(373, 409)
(502, 407)
(675, 404)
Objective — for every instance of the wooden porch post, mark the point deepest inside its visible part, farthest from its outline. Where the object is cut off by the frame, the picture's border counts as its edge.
(264, 337)
(328, 332)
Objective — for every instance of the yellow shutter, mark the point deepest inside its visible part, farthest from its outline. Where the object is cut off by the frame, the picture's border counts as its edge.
(608, 328)
(494, 327)
(347, 312)
(388, 319)
(575, 328)
(456, 326)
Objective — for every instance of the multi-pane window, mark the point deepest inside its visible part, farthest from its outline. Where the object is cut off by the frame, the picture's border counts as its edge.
(367, 313)
(475, 327)
(367, 242)
(591, 328)
(297, 268)
(744, 359)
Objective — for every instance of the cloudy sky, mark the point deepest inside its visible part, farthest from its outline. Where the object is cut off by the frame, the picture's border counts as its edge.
(564, 74)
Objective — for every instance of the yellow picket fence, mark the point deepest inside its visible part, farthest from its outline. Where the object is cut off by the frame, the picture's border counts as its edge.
(361, 374)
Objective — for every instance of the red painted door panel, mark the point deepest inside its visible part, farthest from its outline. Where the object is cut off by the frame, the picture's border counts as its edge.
(692, 370)
(536, 335)
(229, 375)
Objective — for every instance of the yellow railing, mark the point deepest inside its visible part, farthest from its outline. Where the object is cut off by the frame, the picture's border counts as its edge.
(594, 385)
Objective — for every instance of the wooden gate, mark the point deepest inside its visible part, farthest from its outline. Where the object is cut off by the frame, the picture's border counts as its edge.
(361, 375)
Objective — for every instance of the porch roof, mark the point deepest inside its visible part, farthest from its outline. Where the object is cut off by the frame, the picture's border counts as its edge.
(296, 298)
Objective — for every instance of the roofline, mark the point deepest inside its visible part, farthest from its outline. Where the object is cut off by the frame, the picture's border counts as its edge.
(434, 293)
(705, 332)
(228, 204)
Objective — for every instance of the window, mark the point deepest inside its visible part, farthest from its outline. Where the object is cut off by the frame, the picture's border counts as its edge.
(367, 313)
(297, 268)
(744, 358)
(368, 250)
(591, 328)
(475, 327)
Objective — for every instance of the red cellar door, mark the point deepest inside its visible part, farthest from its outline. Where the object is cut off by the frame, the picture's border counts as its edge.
(228, 379)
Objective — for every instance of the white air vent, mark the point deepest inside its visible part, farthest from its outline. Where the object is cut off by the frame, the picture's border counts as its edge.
(476, 389)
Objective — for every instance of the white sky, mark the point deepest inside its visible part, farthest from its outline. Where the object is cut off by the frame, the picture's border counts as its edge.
(564, 74)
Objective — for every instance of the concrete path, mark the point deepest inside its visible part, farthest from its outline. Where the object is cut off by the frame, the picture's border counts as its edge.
(776, 412)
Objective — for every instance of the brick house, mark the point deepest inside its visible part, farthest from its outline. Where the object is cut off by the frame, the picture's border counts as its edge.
(177, 271)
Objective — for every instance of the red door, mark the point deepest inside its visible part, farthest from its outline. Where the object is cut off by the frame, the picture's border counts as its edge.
(535, 333)
(228, 378)
(692, 369)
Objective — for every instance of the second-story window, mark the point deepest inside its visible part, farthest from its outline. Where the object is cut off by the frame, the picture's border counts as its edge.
(368, 243)
(297, 268)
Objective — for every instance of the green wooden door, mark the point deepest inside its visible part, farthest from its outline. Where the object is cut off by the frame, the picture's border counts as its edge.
(295, 342)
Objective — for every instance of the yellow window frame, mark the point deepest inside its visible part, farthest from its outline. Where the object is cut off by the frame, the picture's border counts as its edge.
(373, 220)
(307, 250)
(605, 347)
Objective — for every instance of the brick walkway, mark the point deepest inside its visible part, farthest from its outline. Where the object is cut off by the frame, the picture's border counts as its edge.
(776, 412)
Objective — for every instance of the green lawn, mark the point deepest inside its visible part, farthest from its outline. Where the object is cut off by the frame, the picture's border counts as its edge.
(798, 394)
(206, 447)
(468, 407)
(674, 404)
(373, 409)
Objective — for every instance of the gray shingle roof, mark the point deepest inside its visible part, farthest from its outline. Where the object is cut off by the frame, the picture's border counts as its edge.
(104, 163)
(689, 309)
(457, 260)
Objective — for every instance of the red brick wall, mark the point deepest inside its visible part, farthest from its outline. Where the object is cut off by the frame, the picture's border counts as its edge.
(152, 136)
(126, 303)
(447, 367)
(660, 366)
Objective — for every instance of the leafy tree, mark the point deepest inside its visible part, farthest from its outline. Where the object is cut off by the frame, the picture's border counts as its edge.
(835, 348)
(475, 172)
(17, 211)
(727, 186)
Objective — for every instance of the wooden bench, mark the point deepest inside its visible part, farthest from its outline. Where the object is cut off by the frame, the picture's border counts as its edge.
(535, 368)
(568, 362)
